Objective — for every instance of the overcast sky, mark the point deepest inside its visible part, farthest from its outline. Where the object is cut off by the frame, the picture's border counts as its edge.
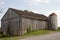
(45, 7)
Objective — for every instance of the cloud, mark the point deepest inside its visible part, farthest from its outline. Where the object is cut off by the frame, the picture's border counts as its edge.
(57, 0)
(1, 3)
(35, 11)
(36, 2)
(55, 11)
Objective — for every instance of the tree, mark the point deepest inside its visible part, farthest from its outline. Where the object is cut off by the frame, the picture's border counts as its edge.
(28, 11)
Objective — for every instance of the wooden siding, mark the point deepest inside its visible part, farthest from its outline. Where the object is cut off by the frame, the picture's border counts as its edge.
(10, 19)
(18, 24)
(33, 23)
(9, 15)
(4, 26)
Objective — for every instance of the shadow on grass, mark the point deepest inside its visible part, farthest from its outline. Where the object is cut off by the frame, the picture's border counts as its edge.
(6, 36)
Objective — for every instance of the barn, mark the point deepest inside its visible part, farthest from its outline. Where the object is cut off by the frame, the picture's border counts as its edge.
(16, 22)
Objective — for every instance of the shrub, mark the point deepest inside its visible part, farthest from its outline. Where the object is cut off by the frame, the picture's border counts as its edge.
(58, 28)
(1, 32)
(28, 29)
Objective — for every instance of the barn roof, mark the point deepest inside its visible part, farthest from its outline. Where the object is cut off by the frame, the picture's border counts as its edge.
(30, 14)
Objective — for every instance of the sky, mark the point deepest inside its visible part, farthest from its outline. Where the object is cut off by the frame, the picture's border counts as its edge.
(45, 7)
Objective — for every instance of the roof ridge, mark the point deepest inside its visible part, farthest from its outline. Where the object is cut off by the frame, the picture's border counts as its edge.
(30, 14)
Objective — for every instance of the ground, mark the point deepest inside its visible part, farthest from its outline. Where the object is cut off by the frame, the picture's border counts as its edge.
(34, 35)
(52, 36)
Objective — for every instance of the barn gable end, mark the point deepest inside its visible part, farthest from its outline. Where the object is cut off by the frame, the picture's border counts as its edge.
(10, 19)
(9, 14)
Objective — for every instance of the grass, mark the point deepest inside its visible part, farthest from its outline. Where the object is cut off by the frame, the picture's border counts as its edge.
(10, 38)
(58, 28)
(32, 33)
(38, 32)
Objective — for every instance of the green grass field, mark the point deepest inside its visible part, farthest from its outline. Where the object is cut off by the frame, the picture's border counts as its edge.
(38, 32)
(32, 33)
